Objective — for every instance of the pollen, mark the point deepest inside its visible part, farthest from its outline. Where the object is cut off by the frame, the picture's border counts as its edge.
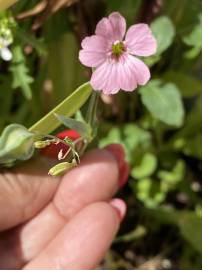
(118, 48)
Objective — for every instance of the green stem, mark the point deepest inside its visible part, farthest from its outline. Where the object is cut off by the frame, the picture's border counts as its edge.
(91, 119)
(91, 116)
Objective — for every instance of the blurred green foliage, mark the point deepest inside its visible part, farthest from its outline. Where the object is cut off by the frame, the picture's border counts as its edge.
(159, 124)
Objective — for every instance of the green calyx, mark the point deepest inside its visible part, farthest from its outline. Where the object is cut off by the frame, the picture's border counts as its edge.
(118, 48)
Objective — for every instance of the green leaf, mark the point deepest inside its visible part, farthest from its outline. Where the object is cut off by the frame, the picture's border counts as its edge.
(169, 179)
(190, 226)
(67, 107)
(188, 222)
(192, 53)
(193, 146)
(148, 192)
(188, 85)
(143, 188)
(195, 37)
(29, 38)
(163, 102)
(82, 128)
(146, 168)
(193, 122)
(16, 143)
(133, 235)
(113, 136)
(159, 27)
(164, 31)
(135, 136)
(131, 136)
(20, 71)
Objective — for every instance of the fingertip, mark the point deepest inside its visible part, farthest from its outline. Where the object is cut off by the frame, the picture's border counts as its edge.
(95, 179)
(120, 207)
(117, 150)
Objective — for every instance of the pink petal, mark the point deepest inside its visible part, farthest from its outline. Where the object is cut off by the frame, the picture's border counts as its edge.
(118, 23)
(105, 79)
(91, 59)
(132, 72)
(113, 28)
(139, 69)
(140, 41)
(95, 43)
(94, 51)
(125, 74)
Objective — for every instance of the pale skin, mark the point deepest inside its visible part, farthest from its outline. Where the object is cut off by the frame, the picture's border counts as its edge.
(58, 223)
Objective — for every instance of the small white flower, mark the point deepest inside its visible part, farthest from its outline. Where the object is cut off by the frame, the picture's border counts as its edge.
(5, 52)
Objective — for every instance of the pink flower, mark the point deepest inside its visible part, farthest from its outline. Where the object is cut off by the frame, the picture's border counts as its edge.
(112, 55)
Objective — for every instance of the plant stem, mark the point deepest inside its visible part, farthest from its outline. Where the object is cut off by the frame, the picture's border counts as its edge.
(91, 116)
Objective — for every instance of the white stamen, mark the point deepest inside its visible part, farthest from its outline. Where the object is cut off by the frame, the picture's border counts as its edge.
(116, 42)
(60, 154)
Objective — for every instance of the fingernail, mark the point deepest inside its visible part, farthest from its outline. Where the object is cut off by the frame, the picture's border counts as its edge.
(120, 207)
(123, 174)
(118, 152)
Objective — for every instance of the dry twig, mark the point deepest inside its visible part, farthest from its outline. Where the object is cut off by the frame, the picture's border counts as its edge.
(45, 9)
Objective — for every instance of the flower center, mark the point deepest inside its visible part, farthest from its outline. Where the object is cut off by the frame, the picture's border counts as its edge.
(118, 48)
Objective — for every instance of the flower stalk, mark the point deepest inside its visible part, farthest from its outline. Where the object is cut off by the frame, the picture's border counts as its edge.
(91, 116)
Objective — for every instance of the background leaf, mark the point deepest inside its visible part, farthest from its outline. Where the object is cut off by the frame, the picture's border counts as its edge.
(159, 27)
(194, 38)
(163, 102)
(190, 225)
(146, 167)
(188, 222)
(21, 77)
(164, 31)
(188, 85)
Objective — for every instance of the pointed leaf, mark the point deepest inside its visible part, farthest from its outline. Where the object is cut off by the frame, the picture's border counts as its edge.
(82, 128)
(67, 107)
(21, 77)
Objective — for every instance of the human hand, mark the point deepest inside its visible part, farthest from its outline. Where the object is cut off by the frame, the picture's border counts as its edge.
(60, 223)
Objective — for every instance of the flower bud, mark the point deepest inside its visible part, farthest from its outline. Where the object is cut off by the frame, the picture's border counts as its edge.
(61, 168)
(42, 144)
